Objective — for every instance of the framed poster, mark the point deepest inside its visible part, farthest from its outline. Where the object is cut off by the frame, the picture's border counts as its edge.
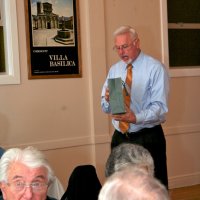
(53, 39)
(9, 47)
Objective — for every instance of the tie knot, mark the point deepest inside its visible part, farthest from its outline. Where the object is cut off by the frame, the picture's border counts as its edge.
(129, 66)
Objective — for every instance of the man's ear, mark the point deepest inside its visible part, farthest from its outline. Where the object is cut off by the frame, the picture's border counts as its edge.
(3, 188)
(137, 43)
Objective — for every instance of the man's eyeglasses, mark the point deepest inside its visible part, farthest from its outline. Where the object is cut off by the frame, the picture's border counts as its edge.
(124, 46)
(35, 186)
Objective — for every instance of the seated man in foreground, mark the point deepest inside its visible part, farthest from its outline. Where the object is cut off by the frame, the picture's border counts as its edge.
(25, 174)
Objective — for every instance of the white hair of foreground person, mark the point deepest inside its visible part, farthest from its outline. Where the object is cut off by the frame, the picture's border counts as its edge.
(132, 183)
(29, 156)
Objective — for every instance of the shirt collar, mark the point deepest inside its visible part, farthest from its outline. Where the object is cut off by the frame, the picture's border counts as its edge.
(136, 62)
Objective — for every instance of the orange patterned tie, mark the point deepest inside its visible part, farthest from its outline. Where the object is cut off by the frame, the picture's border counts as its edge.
(127, 96)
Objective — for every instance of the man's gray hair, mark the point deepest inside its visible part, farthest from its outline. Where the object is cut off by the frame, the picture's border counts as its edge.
(132, 183)
(126, 154)
(126, 29)
(30, 156)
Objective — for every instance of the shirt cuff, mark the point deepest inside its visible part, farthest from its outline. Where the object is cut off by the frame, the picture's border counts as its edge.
(105, 105)
(139, 118)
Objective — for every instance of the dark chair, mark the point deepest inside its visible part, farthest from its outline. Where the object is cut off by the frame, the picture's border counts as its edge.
(83, 184)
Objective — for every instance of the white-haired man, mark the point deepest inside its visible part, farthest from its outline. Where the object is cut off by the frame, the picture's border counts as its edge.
(25, 174)
(146, 86)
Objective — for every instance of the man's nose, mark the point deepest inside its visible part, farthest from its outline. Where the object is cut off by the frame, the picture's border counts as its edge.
(28, 193)
(120, 51)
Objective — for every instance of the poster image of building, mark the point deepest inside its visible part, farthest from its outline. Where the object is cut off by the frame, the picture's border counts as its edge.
(52, 23)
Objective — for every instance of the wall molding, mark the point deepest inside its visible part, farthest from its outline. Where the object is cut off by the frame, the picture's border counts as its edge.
(101, 139)
(56, 144)
(184, 180)
(64, 142)
(179, 130)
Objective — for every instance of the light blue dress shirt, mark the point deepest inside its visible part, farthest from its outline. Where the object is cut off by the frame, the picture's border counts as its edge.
(149, 91)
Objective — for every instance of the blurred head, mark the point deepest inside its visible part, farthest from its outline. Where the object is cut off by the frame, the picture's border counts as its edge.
(24, 174)
(132, 183)
(129, 154)
(126, 43)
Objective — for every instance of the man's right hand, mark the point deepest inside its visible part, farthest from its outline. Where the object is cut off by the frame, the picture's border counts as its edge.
(107, 95)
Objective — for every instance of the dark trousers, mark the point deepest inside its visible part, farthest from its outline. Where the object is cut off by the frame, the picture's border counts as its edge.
(153, 140)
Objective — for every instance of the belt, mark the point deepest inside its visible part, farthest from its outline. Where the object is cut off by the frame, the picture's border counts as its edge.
(132, 134)
(129, 134)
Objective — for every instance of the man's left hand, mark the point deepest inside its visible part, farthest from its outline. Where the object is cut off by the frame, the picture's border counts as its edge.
(129, 116)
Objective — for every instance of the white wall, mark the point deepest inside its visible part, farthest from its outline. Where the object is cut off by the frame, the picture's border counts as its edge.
(69, 124)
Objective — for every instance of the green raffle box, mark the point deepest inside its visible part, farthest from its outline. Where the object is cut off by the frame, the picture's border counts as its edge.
(116, 96)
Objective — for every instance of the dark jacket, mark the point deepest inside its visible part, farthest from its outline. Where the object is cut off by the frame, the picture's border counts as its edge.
(83, 184)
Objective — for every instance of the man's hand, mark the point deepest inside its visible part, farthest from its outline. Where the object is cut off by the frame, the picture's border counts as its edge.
(129, 116)
(107, 95)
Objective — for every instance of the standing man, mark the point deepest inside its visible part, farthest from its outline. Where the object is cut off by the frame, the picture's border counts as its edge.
(147, 88)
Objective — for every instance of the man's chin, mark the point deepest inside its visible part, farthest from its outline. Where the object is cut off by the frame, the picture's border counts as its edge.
(126, 59)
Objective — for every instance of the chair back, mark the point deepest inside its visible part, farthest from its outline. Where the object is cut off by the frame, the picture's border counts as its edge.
(83, 184)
